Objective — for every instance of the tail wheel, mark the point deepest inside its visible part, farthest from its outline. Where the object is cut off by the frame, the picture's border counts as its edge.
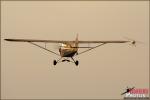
(77, 63)
(54, 62)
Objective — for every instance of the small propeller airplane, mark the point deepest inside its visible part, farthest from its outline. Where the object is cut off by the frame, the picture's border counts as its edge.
(68, 49)
(127, 90)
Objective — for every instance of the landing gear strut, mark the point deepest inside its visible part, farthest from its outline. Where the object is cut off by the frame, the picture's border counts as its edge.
(76, 62)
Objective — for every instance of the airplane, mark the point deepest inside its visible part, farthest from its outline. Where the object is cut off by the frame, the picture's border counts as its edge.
(68, 49)
(128, 90)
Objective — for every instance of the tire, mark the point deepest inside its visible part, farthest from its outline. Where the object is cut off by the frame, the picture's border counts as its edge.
(54, 62)
(77, 63)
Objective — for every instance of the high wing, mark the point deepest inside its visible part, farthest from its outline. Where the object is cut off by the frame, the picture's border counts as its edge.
(100, 43)
(36, 40)
(103, 41)
(61, 41)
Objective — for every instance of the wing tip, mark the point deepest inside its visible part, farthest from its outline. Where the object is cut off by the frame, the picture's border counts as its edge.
(9, 39)
(6, 39)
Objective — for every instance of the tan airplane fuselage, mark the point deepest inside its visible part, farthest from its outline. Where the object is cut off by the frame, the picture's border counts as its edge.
(68, 50)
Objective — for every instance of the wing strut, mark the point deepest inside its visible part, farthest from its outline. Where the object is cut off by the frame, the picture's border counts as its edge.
(44, 48)
(91, 48)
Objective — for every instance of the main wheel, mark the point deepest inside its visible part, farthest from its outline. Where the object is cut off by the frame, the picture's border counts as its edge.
(77, 63)
(54, 62)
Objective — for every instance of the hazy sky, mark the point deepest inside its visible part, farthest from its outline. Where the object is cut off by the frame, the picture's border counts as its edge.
(103, 73)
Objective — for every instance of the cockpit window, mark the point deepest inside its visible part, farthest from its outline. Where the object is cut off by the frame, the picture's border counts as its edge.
(65, 45)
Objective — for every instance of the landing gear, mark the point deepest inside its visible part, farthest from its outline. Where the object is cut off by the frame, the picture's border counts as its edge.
(66, 59)
(77, 62)
(54, 62)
